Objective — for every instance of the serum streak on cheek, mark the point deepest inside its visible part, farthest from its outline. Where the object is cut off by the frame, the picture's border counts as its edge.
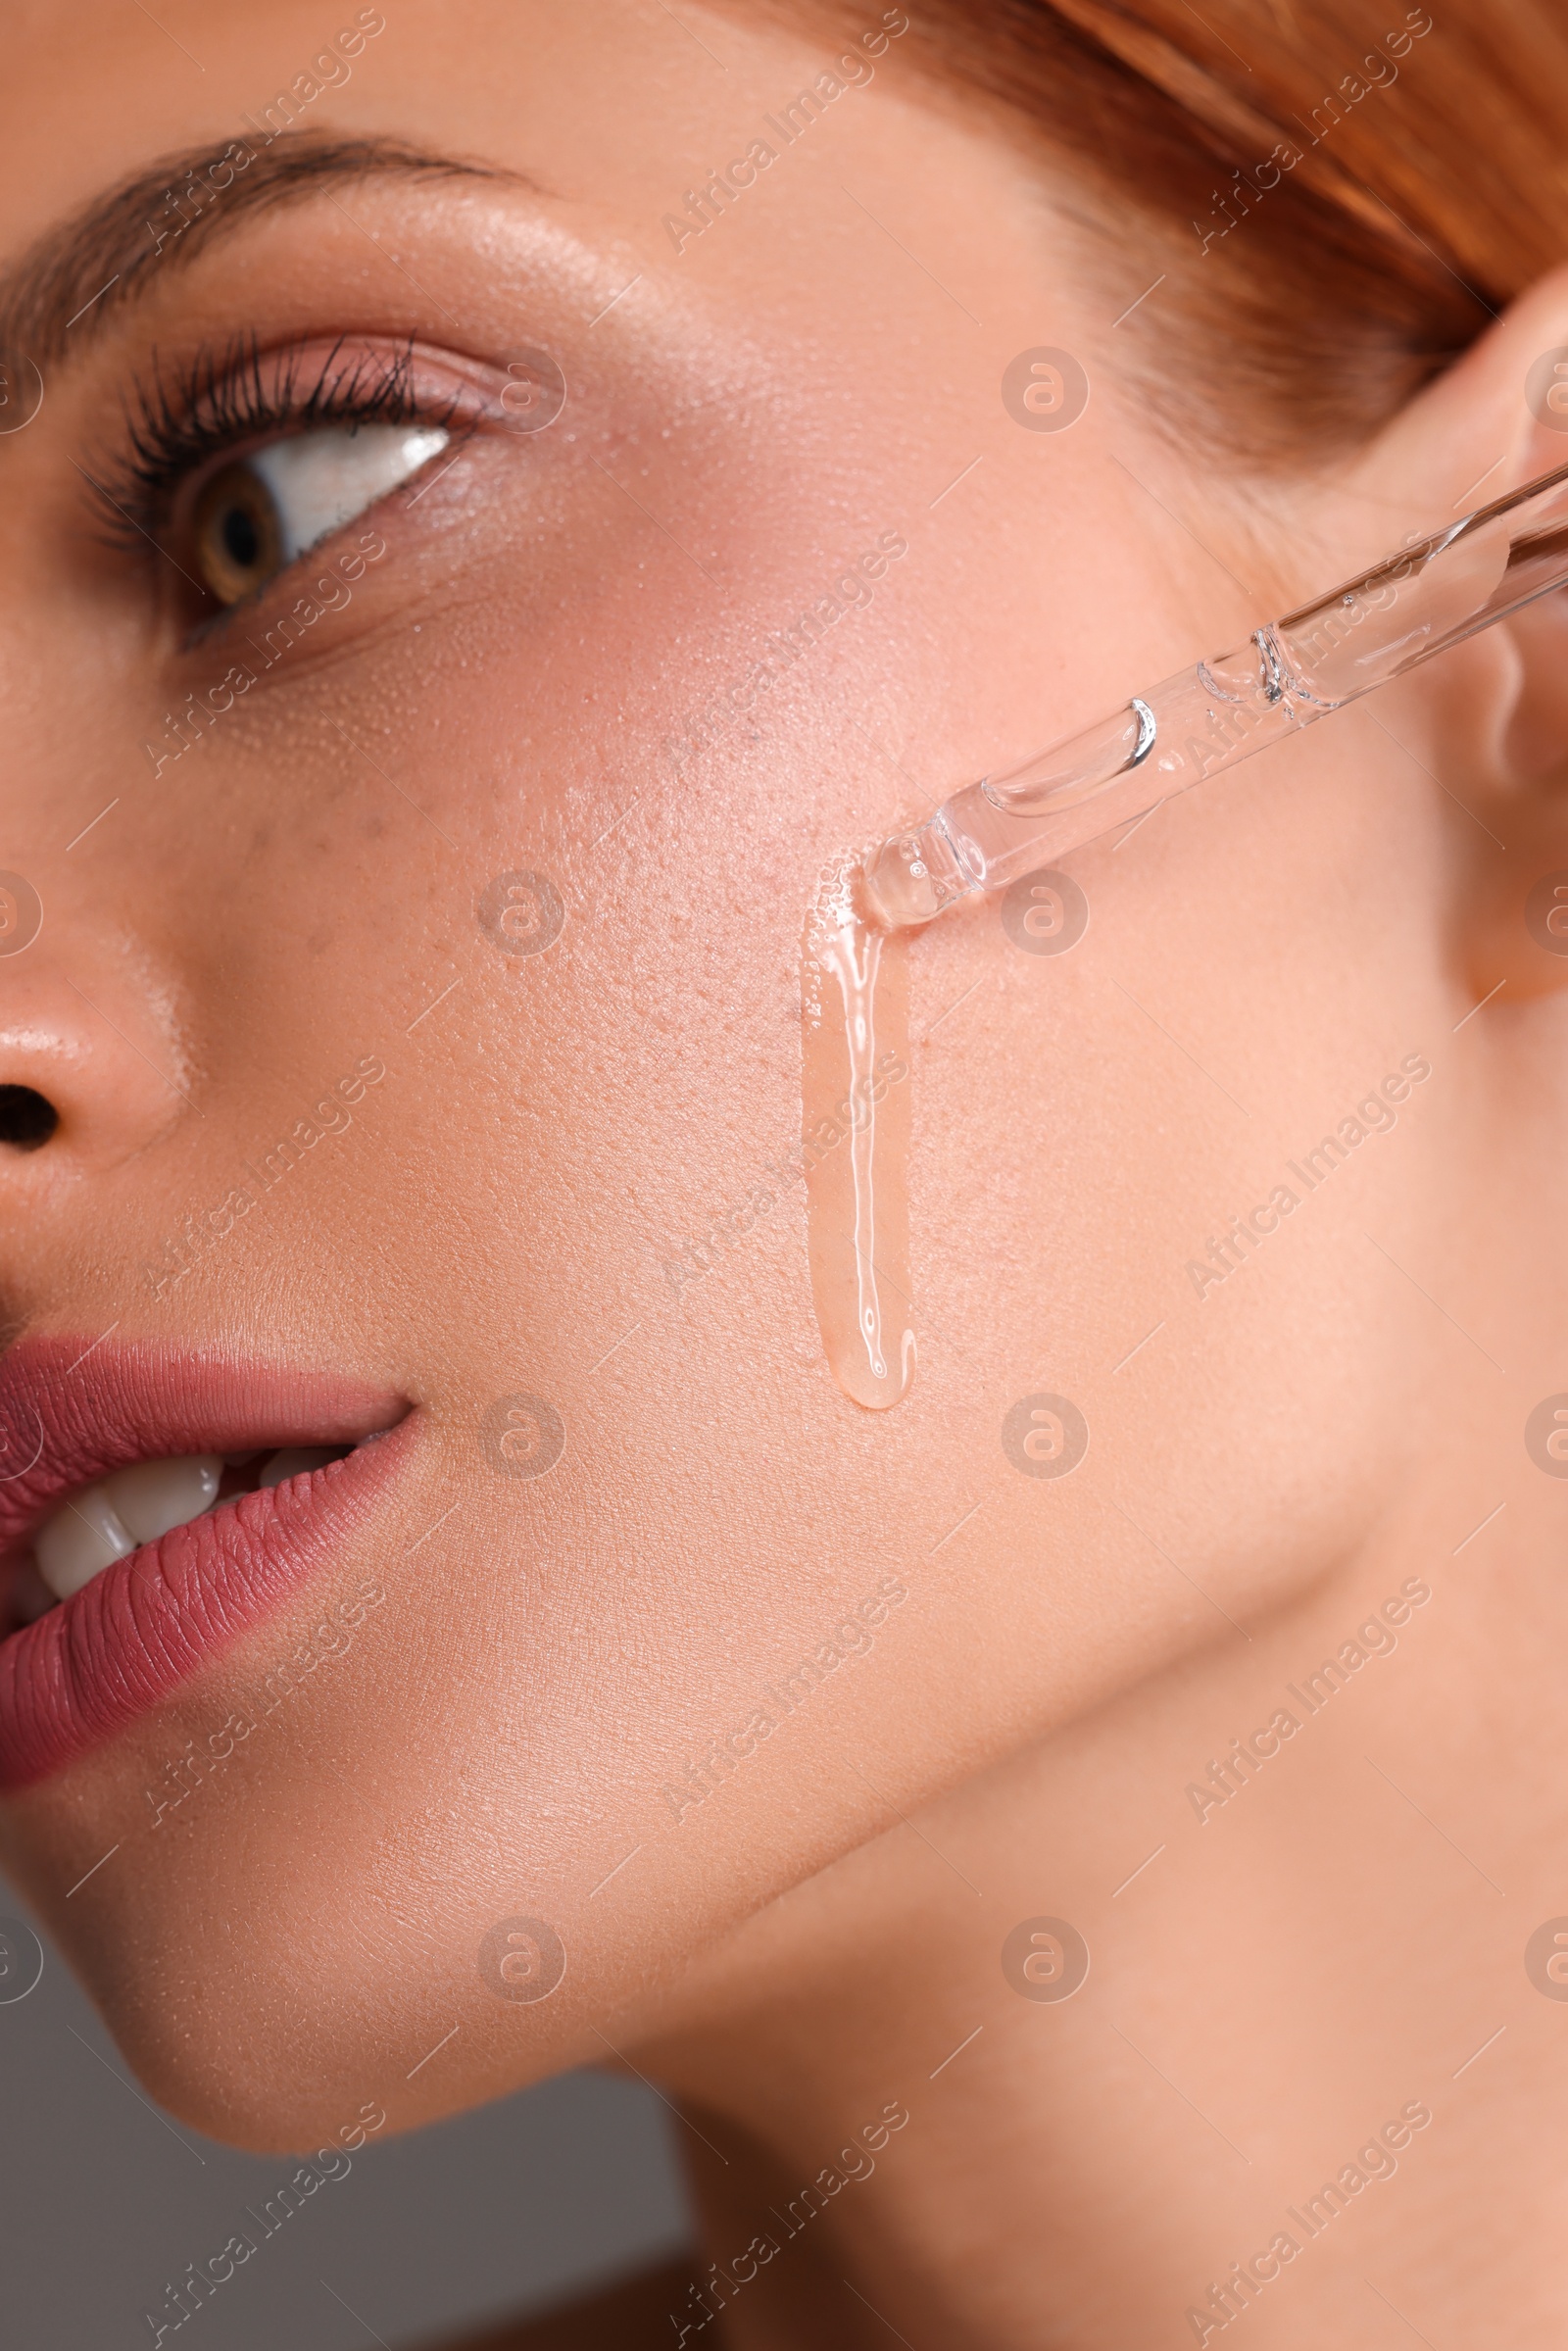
(854, 1127)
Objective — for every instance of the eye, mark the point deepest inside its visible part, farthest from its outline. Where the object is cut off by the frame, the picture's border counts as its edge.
(254, 516)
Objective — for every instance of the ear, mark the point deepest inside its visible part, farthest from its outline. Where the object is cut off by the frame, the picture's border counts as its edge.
(1489, 719)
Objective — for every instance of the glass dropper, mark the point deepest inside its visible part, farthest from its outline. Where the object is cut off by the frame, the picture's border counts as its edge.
(1374, 627)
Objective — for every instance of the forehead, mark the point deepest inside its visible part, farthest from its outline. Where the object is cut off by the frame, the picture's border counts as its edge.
(747, 158)
(619, 103)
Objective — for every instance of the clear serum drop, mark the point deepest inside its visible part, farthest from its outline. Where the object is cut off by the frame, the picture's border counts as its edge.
(855, 1125)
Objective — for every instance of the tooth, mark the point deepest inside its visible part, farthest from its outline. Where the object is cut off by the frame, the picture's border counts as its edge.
(101, 1524)
(104, 1522)
(294, 1459)
(155, 1496)
(83, 1538)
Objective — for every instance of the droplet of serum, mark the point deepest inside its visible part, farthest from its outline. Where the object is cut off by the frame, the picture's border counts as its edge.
(855, 1132)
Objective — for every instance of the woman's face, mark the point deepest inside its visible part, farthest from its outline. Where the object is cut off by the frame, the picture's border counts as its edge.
(423, 1015)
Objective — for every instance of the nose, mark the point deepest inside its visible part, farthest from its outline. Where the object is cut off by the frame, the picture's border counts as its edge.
(27, 1118)
(93, 1065)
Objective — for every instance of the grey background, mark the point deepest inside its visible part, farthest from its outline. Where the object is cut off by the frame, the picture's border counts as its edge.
(103, 2200)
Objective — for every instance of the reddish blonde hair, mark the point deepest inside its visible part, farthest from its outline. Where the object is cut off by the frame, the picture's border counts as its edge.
(1427, 182)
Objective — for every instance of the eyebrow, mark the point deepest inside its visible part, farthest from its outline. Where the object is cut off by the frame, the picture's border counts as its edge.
(112, 250)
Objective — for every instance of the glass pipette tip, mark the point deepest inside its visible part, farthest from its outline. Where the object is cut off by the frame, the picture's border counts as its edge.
(1362, 634)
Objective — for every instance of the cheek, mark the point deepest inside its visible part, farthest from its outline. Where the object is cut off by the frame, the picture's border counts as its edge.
(1129, 1102)
(546, 1136)
(643, 1505)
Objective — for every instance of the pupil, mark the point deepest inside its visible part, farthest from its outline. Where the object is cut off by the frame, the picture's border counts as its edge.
(241, 539)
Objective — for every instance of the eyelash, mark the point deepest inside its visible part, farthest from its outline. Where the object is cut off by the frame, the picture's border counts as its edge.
(212, 406)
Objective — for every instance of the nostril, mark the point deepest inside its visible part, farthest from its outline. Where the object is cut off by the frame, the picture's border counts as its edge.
(26, 1119)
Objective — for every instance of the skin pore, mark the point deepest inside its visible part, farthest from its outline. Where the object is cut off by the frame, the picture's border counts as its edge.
(546, 673)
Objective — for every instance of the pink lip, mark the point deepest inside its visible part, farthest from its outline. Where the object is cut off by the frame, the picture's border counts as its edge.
(130, 1637)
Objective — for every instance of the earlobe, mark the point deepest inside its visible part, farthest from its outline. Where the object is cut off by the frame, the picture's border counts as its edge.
(1489, 721)
(1533, 749)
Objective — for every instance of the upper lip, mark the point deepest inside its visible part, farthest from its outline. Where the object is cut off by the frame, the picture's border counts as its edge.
(72, 1409)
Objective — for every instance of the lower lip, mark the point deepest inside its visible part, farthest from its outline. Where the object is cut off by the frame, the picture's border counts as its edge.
(124, 1642)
